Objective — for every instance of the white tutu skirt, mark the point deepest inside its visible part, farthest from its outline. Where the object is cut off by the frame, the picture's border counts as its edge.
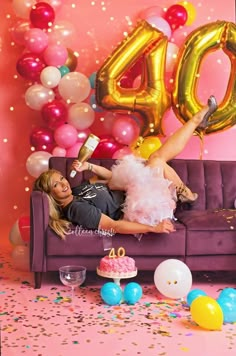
(150, 198)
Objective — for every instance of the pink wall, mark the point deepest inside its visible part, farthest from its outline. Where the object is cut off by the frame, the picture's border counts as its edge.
(99, 27)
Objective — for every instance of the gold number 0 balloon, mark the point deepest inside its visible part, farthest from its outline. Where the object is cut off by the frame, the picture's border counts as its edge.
(203, 40)
(151, 100)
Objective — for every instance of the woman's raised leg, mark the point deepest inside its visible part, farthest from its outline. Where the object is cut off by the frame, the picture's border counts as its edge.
(175, 144)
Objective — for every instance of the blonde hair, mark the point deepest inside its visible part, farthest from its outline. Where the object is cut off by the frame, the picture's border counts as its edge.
(56, 221)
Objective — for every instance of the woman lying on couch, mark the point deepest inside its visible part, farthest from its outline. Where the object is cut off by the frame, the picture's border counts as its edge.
(135, 196)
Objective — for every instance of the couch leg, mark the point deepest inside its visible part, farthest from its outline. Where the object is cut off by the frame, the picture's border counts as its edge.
(37, 279)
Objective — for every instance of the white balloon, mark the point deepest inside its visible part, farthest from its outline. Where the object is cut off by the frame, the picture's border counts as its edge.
(37, 95)
(15, 235)
(20, 258)
(50, 77)
(173, 278)
(81, 116)
(37, 163)
(74, 87)
(22, 8)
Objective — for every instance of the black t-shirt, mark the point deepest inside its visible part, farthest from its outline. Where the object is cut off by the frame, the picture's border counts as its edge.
(92, 200)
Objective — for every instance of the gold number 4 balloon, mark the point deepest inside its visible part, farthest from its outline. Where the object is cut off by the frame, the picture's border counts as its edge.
(152, 99)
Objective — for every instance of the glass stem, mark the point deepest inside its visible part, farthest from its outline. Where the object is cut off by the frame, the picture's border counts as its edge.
(72, 295)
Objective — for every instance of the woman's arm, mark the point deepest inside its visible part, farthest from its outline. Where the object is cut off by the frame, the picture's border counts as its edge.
(128, 227)
(100, 172)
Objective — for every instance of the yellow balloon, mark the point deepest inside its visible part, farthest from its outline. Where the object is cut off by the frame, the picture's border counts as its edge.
(207, 313)
(144, 147)
(151, 99)
(190, 10)
(205, 39)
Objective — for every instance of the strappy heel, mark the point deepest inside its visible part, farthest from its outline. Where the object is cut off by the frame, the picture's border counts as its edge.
(212, 104)
(185, 195)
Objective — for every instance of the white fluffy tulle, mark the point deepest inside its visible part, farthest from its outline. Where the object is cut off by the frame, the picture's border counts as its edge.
(150, 197)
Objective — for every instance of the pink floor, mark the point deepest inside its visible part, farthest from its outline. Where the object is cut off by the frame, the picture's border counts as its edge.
(40, 322)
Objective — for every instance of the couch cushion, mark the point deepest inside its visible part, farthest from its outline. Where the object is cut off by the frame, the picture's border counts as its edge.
(209, 232)
(86, 243)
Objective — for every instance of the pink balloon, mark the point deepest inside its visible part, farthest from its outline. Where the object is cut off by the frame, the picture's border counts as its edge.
(29, 66)
(151, 11)
(42, 139)
(137, 81)
(65, 136)
(74, 150)
(42, 15)
(37, 163)
(56, 4)
(176, 15)
(125, 130)
(18, 31)
(122, 152)
(55, 55)
(62, 32)
(54, 114)
(59, 152)
(83, 134)
(36, 40)
(106, 147)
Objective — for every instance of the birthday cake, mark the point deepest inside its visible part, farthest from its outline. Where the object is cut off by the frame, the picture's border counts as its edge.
(117, 267)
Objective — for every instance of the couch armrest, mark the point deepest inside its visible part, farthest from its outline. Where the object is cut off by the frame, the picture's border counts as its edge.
(39, 218)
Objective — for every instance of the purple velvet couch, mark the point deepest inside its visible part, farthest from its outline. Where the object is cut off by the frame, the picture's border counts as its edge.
(205, 236)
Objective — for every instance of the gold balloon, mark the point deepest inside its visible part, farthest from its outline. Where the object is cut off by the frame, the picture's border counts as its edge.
(71, 61)
(202, 41)
(151, 99)
(144, 147)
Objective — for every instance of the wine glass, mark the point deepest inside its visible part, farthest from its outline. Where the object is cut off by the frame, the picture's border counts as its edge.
(72, 276)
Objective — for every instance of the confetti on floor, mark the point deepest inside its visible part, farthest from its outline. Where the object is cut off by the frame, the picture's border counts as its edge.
(42, 322)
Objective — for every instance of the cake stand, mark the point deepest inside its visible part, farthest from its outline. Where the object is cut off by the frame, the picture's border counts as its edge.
(117, 276)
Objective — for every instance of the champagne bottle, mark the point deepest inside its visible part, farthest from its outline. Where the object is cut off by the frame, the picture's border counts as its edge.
(86, 150)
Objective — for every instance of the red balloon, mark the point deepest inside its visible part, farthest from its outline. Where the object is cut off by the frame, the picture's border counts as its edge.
(42, 15)
(42, 139)
(126, 81)
(176, 16)
(30, 65)
(106, 147)
(54, 114)
(24, 228)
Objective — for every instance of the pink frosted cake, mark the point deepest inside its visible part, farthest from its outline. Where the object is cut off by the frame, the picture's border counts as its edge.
(117, 267)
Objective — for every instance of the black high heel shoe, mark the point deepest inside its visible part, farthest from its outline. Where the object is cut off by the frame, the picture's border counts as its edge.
(212, 104)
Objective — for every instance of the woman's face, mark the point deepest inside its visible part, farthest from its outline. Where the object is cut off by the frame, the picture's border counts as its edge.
(60, 187)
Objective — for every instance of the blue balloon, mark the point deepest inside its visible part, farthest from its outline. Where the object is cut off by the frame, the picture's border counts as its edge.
(193, 294)
(92, 80)
(64, 70)
(229, 293)
(228, 307)
(93, 103)
(132, 293)
(111, 293)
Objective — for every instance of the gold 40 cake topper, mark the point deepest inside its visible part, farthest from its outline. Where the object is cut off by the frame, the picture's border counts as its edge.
(120, 252)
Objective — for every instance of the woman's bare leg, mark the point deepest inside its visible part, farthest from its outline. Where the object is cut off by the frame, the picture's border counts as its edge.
(177, 142)
(171, 148)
